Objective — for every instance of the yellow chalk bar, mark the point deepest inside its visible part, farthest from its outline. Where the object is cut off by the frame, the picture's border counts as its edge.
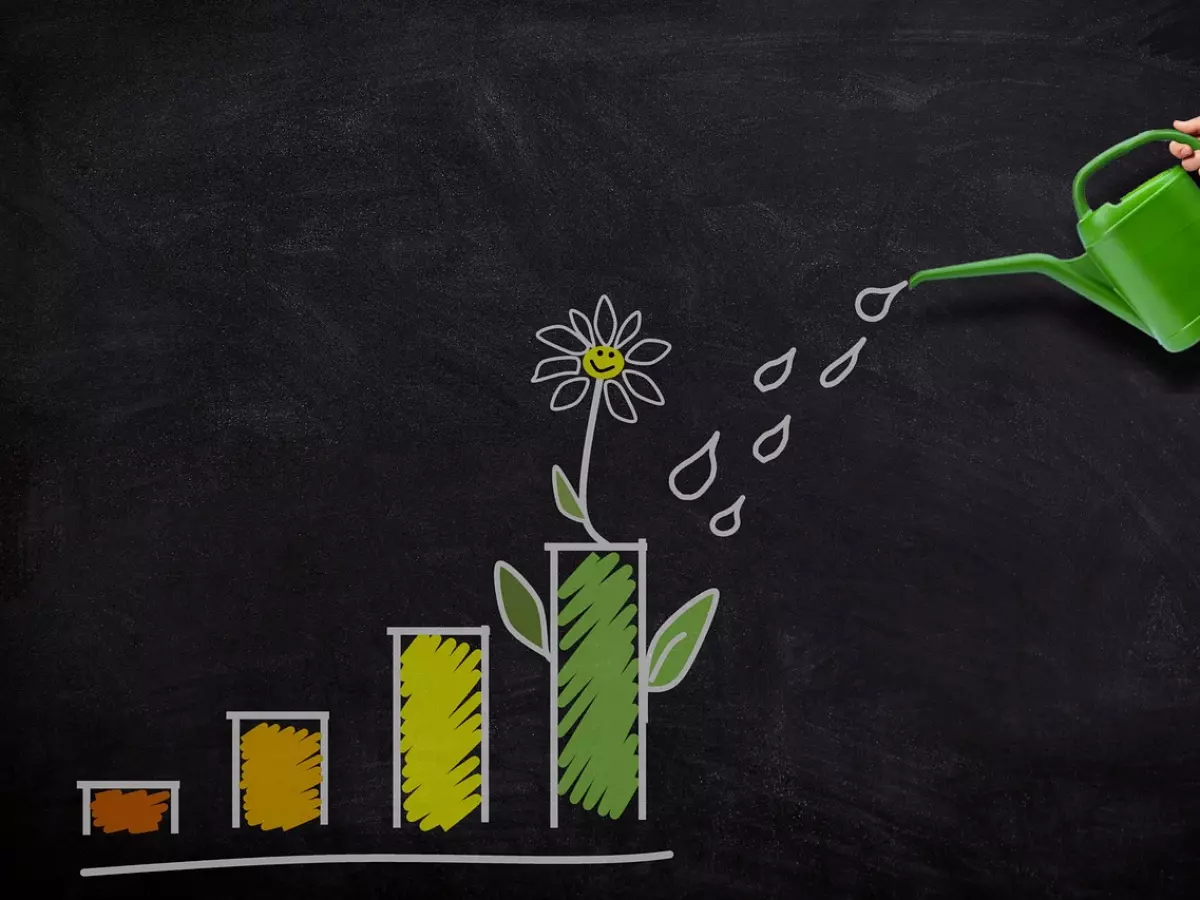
(281, 776)
(440, 730)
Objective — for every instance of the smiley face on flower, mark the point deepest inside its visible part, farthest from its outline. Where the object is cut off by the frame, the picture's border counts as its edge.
(598, 355)
(603, 362)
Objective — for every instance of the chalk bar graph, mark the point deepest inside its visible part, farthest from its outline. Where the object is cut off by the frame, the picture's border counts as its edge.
(279, 761)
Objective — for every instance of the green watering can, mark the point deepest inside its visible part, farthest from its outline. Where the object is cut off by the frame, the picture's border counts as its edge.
(1141, 258)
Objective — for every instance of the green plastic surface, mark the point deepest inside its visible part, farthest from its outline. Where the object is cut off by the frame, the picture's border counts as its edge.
(1142, 254)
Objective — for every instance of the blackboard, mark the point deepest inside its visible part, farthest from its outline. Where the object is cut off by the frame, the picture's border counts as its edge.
(272, 274)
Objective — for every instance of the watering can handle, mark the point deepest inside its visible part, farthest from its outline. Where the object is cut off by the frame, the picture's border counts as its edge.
(1146, 137)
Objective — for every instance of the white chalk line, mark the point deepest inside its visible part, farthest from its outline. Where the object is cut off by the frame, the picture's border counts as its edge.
(735, 512)
(783, 430)
(679, 613)
(616, 387)
(604, 321)
(343, 858)
(585, 462)
(321, 715)
(633, 322)
(888, 293)
(786, 361)
(849, 359)
(502, 566)
(710, 450)
(666, 651)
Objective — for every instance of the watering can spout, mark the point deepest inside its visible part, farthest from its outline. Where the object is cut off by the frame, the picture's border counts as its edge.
(1079, 274)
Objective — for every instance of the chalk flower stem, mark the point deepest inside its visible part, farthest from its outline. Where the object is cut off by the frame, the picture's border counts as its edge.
(585, 462)
(597, 354)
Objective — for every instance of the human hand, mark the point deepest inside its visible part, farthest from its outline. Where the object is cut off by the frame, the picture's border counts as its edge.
(1191, 159)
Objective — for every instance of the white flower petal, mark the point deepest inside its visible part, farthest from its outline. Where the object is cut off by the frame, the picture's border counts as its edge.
(618, 402)
(562, 398)
(643, 387)
(605, 321)
(583, 327)
(629, 329)
(555, 367)
(651, 350)
(560, 337)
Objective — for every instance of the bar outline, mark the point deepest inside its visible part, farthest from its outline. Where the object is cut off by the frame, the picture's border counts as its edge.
(552, 640)
(88, 786)
(593, 545)
(485, 762)
(643, 710)
(237, 716)
(483, 633)
(287, 714)
(457, 631)
(325, 770)
(235, 773)
(394, 702)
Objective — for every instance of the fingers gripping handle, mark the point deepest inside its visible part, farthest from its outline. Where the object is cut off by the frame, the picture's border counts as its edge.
(1112, 153)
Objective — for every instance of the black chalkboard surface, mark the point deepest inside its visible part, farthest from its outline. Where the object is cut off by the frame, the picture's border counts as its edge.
(272, 274)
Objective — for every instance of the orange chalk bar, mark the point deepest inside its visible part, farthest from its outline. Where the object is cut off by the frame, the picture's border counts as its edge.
(281, 776)
(137, 812)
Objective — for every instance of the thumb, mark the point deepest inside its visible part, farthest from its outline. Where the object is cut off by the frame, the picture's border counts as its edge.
(1190, 126)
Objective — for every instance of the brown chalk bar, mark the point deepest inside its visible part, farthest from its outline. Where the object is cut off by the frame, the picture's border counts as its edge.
(137, 812)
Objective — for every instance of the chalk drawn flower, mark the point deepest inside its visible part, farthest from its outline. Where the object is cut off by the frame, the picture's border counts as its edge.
(596, 355)
(593, 634)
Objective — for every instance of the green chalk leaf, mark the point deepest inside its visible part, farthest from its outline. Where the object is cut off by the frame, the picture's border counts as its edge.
(674, 648)
(565, 498)
(522, 611)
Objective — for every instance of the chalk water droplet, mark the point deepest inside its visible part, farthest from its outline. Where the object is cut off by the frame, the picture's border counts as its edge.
(780, 432)
(733, 514)
(848, 359)
(708, 451)
(889, 294)
(782, 363)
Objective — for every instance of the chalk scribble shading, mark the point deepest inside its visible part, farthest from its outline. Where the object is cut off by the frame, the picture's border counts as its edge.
(597, 686)
(440, 730)
(128, 805)
(137, 812)
(281, 776)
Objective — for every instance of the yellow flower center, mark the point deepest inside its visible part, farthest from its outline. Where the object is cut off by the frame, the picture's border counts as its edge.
(603, 362)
